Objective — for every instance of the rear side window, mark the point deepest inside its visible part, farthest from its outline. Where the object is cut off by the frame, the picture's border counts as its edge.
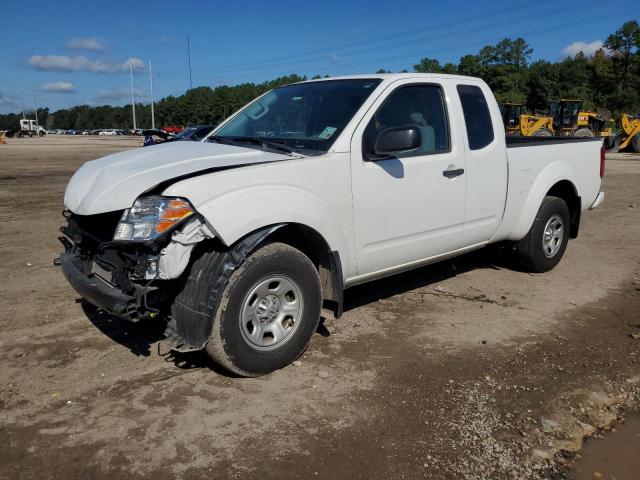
(476, 116)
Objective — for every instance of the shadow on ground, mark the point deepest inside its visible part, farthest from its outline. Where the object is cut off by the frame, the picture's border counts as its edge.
(491, 257)
(143, 336)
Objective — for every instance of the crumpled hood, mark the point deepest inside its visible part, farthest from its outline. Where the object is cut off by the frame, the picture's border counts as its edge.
(115, 181)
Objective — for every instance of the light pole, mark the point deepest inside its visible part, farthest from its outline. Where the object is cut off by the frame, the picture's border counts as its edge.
(133, 99)
(35, 106)
(189, 58)
(153, 117)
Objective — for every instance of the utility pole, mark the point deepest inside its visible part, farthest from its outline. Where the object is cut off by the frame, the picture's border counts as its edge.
(189, 57)
(35, 106)
(22, 100)
(133, 99)
(153, 117)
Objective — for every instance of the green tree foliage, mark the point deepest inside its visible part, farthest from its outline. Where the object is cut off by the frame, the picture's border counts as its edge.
(624, 45)
(607, 80)
(431, 65)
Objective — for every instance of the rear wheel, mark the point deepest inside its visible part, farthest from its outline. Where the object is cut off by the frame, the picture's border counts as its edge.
(543, 247)
(635, 143)
(268, 312)
(583, 133)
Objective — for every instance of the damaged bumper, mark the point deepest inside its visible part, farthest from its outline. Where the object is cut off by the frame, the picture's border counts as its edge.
(97, 291)
(132, 280)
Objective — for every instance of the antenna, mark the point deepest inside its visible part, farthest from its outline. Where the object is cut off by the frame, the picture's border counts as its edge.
(189, 58)
(153, 117)
(133, 99)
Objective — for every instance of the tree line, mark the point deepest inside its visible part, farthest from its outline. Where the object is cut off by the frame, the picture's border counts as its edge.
(607, 80)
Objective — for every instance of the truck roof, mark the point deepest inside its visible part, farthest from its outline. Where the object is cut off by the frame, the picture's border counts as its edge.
(396, 76)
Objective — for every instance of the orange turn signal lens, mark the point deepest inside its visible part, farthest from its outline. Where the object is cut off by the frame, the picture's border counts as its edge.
(175, 210)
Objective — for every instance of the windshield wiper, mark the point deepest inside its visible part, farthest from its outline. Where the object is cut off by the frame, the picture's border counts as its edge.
(256, 141)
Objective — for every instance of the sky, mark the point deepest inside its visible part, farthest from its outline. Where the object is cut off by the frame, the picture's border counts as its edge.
(63, 53)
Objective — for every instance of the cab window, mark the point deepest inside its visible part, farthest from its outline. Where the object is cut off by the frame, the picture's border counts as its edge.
(420, 106)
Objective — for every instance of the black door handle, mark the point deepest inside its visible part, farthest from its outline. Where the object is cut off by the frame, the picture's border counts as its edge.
(453, 173)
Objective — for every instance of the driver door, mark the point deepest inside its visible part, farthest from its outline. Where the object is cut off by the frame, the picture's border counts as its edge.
(410, 206)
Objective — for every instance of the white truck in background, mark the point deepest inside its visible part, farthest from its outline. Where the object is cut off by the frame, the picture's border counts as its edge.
(238, 241)
(27, 128)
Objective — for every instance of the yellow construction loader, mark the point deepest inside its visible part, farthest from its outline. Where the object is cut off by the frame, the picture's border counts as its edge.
(569, 120)
(519, 123)
(511, 117)
(629, 136)
(532, 126)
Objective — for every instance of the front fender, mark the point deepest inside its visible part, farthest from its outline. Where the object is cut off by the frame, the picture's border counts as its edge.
(551, 174)
(236, 213)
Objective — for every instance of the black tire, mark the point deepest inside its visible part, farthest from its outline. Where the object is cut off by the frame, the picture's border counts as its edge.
(227, 345)
(530, 251)
(583, 132)
(635, 143)
(612, 142)
(543, 132)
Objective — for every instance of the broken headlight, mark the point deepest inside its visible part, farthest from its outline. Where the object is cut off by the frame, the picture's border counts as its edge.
(151, 217)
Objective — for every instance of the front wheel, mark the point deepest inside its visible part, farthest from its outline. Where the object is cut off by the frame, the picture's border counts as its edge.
(543, 247)
(584, 132)
(268, 312)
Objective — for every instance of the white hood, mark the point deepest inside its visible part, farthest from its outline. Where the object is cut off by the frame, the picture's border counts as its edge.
(115, 181)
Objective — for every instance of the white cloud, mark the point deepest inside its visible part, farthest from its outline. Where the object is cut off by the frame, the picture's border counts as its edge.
(586, 48)
(136, 63)
(64, 63)
(119, 94)
(86, 43)
(58, 87)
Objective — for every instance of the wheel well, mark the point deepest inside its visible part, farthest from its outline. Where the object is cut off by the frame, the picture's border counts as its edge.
(314, 246)
(567, 192)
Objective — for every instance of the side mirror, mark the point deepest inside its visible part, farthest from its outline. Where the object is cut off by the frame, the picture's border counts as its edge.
(394, 140)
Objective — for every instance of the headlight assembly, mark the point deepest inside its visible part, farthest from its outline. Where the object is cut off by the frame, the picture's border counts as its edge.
(151, 217)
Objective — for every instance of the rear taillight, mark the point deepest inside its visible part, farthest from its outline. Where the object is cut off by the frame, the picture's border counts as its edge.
(602, 161)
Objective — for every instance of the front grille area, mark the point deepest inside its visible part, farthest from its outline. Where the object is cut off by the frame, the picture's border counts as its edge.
(99, 228)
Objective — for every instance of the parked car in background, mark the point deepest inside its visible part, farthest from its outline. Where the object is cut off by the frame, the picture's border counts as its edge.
(173, 128)
(153, 137)
(239, 241)
(195, 133)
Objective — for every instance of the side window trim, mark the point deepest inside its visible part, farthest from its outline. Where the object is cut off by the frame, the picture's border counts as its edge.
(445, 109)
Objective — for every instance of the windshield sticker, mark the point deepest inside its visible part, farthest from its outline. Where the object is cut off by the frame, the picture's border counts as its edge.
(327, 132)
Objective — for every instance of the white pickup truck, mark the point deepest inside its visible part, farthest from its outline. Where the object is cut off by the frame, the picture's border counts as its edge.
(240, 240)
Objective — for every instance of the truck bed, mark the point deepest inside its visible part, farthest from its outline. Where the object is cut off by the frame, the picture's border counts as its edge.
(514, 142)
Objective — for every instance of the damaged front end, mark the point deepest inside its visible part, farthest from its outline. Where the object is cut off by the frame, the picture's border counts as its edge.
(123, 262)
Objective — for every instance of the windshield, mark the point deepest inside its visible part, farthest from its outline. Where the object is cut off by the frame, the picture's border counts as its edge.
(305, 116)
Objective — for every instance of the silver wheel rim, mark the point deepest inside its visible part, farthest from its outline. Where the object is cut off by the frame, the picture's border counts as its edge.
(553, 235)
(271, 312)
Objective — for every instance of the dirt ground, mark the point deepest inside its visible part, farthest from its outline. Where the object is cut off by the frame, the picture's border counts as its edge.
(465, 369)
